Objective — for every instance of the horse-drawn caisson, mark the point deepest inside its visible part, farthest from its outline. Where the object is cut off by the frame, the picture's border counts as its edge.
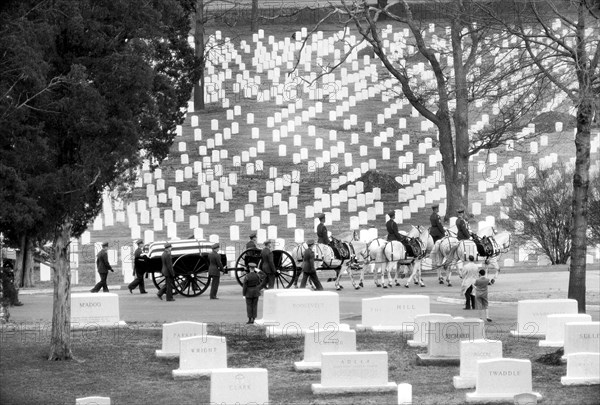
(190, 264)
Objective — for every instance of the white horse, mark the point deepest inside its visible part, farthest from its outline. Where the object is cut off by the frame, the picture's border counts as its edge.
(426, 241)
(440, 258)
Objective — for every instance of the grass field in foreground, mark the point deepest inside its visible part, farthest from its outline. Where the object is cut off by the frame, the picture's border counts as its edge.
(123, 367)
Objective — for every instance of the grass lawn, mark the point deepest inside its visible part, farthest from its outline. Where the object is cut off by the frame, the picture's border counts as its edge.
(123, 367)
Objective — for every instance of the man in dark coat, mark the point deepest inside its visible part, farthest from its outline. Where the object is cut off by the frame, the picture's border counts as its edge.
(462, 227)
(252, 242)
(436, 230)
(267, 265)
(168, 272)
(322, 236)
(251, 292)
(308, 267)
(215, 267)
(103, 267)
(138, 271)
(392, 228)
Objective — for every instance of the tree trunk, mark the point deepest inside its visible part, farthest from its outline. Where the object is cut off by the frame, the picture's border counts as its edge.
(581, 183)
(60, 344)
(20, 260)
(28, 264)
(254, 16)
(199, 50)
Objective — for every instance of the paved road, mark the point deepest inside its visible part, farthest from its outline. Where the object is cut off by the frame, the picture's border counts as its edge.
(230, 308)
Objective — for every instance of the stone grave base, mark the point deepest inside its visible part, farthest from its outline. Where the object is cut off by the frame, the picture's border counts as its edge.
(463, 382)
(165, 355)
(549, 343)
(474, 398)
(580, 380)
(307, 365)
(319, 389)
(414, 343)
(381, 328)
(530, 335)
(273, 331)
(193, 374)
(425, 359)
(95, 325)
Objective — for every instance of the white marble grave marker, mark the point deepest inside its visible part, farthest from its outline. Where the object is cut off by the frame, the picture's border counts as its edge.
(421, 328)
(581, 337)
(531, 315)
(93, 401)
(321, 341)
(501, 379)
(582, 369)
(555, 330)
(174, 331)
(392, 312)
(445, 337)
(470, 353)
(200, 355)
(89, 310)
(239, 386)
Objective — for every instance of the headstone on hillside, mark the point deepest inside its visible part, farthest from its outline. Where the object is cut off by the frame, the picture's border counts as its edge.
(470, 353)
(555, 329)
(392, 312)
(93, 401)
(354, 372)
(581, 337)
(421, 328)
(500, 380)
(321, 341)
(582, 369)
(444, 340)
(239, 386)
(200, 355)
(174, 331)
(95, 310)
(531, 315)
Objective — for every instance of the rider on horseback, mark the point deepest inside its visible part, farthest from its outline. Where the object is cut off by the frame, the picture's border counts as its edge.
(462, 226)
(339, 250)
(437, 230)
(412, 249)
(484, 245)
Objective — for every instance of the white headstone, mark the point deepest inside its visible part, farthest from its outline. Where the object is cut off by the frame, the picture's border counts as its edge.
(531, 315)
(239, 386)
(93, 401)
(93, 310)
(445, 337)
(393, 312)
(174, 331)
(421, 328)
(581, 337)
(582, 369)
(501, 379)
(200, 355)
(555, 329)
(321, 341)
(357, 372)
(470, 353)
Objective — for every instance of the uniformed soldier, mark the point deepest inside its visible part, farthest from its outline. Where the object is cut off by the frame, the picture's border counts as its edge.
(322, 236)
(392, 228)
(436, 230)
(168, 272)
(138, 271)
(252, 242)
(267, 265)
(215, 267)
(103, 267)
(308, 267)
(462, 226)
(251, 292)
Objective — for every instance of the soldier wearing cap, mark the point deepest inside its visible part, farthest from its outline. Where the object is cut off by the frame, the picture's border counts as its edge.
(252, 242)
(308, 267)
(267, 265)
(138, 271)
(103, 267)
(322, 235)
(215, 267)
(462, 227)
(392, 228)
(436, 230)
(251, 292)
(168, 272)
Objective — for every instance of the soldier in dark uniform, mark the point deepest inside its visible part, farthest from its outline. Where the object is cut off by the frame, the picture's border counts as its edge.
(392, 228)
(252, 242)
(138, 271)
(103, 267)
(215, 267)
(168, 272)
(463, 232)
(251, 292)
(322, 236)
(436, 230)
(267, 265)
(308, 267)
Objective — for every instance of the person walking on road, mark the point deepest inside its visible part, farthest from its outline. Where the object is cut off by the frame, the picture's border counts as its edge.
(215, 267)
(138, 271)
(103, 267)
(267, 265)
(251, 292)
(469, 274)
(308, 267)
(481, 295)
(168, 272)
